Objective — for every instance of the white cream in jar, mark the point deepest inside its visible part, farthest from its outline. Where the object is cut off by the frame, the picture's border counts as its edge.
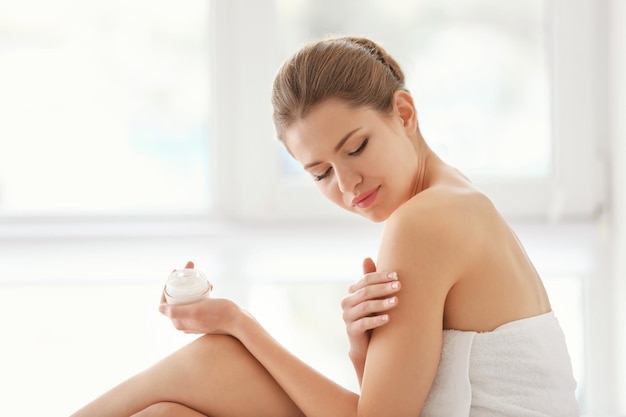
(185, 286)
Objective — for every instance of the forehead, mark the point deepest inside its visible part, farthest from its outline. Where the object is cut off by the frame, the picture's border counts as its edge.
(323, 127)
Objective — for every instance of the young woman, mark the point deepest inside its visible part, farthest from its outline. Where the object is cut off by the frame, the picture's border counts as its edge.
(470, 332)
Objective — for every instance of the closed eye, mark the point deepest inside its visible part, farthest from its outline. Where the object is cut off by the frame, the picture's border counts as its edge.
(356, 152)
(360, 148)
(324, 175)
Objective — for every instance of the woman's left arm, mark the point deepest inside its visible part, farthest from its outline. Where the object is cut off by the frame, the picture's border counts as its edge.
(365, 308)
(403, 356)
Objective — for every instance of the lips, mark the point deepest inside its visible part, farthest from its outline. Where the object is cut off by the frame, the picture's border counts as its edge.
(366, 199)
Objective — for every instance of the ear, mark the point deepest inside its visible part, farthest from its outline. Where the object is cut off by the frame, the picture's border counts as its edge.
(405, 109)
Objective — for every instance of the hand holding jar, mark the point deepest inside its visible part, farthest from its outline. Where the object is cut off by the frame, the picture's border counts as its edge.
(185, 300)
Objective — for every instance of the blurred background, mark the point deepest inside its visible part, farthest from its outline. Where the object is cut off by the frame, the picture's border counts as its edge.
(136, 135)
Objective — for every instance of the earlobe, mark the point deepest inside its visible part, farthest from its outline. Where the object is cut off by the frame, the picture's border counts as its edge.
(405, 108)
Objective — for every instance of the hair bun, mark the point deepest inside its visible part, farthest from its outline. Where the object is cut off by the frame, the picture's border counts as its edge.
(380, 54)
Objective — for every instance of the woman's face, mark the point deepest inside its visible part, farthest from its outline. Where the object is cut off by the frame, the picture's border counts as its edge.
(360, 159)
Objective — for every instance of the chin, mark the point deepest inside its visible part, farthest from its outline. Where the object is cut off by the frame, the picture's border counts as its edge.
(375, 217)
(371, 215)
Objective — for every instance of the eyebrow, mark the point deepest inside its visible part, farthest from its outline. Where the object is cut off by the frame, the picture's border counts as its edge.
(337, 147)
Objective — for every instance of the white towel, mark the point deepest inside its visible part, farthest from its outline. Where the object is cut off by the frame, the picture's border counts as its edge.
(520, 369)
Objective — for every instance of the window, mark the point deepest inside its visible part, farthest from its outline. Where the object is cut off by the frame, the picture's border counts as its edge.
(105, 107)
(114, 108)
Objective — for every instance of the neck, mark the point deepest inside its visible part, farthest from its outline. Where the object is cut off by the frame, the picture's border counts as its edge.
(426, 159)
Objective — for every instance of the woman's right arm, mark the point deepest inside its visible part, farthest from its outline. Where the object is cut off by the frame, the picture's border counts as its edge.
(313, 393)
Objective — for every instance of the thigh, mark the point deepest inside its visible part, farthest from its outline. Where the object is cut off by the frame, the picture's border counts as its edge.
(217, 376)
(214, 375)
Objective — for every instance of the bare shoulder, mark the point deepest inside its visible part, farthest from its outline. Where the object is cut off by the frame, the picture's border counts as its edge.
(442, 225)
(451, 243)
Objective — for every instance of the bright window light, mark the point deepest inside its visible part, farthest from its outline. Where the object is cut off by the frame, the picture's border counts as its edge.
(105, 107)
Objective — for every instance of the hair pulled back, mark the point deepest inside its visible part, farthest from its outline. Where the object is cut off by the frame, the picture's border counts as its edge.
(355, 70)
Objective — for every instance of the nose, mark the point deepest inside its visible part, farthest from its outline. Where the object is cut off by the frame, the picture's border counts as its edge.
(347, 179)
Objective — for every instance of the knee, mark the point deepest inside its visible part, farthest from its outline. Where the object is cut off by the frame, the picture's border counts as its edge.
(162, 409)
(215, 346)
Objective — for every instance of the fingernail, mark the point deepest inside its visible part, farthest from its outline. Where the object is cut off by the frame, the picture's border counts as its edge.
(395, 285)
(392, 275)
(391, 300)
(384, 317)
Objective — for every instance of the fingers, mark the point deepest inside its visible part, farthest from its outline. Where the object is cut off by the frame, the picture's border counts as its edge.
(164, 308)
(177, 311)
(369, 298)
(188, 265)
(372, 278)
(358, 327)
(370, 301)
(178, 316)
(368, 266)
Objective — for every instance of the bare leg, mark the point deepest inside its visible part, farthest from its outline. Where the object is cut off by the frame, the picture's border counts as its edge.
(168, 410)
(214, 376)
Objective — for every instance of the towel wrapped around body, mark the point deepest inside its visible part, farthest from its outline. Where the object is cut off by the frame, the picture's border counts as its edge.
(520, 369)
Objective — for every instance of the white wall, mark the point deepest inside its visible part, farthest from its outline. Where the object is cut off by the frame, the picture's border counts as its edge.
(617, 136)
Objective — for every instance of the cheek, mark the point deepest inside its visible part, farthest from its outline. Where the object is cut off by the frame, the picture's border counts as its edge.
(405, 159)
(383, 164)
(331, 192)
(327, 190)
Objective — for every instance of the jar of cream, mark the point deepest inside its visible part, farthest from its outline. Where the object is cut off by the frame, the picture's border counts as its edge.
(185, 286)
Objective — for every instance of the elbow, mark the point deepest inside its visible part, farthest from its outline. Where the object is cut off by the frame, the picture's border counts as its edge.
(370, 411)
(386, 409)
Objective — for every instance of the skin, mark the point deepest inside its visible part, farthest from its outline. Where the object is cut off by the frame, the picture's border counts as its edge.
(447, 260)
